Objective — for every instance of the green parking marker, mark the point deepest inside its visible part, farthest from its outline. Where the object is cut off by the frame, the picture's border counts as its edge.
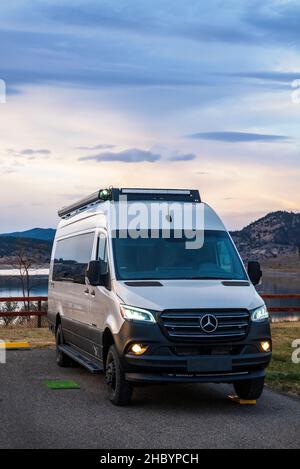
(61, 384)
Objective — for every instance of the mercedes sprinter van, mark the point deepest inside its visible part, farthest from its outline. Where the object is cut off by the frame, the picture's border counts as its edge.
(142, 304)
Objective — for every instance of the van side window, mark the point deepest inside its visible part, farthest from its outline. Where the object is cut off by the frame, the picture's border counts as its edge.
(71, 258)
(102, 247)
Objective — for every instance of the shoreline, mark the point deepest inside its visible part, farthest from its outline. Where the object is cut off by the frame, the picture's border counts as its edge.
(32, 272)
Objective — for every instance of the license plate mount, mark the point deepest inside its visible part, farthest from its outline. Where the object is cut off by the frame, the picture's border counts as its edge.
(209, 364)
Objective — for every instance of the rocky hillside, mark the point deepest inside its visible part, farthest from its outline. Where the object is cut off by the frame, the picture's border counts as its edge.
(11, 249)
(276, 234)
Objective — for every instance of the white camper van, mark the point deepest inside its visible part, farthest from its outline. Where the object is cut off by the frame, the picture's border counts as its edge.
(143, 306)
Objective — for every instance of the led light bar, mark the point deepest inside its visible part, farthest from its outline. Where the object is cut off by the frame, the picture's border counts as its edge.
(179, 195)
(156, 191)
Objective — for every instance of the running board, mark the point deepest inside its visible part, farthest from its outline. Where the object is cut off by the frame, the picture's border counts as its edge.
(92, 366)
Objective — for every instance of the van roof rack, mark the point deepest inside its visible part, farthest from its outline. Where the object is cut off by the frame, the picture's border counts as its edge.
(114, 194)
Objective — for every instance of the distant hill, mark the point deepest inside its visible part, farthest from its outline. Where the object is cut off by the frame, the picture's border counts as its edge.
(46, 234)
(36, 249)
(276, 234)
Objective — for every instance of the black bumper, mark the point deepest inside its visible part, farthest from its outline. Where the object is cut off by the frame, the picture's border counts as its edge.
(209, 360)
(192, 378)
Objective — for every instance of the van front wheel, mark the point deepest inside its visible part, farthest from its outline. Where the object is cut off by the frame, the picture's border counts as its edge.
(250, 389)
(119, 390)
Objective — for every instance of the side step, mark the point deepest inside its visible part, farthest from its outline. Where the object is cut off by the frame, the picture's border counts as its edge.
(92, 366)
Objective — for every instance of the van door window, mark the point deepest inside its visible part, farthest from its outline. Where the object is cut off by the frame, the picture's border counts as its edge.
(71, 258)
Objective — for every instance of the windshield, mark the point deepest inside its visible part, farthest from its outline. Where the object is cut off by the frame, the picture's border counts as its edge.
(168, 258)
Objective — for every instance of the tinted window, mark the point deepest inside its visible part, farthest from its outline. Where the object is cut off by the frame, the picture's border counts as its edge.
(161, 258)
(71, 258)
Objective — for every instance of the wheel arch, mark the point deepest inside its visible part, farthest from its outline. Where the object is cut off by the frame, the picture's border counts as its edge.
(107, 341)
(57, 321)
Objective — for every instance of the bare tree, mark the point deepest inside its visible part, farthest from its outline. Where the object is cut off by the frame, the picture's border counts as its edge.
(25, 261)
(9, 307)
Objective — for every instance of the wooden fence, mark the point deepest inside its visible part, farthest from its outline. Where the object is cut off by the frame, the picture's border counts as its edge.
(39, 312)
(27, 301)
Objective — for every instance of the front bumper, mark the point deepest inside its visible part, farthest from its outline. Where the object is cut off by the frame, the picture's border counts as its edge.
(160, 378)
(198, 361)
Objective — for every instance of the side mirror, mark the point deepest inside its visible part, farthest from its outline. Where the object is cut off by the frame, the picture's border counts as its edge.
(93, 273)
(97, 273)
(254, 272)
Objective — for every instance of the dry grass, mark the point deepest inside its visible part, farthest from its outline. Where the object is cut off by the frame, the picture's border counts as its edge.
(282, 263)
(283, 374)
(38, 338)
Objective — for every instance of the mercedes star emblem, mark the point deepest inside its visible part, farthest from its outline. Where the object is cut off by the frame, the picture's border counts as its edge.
(208, 323)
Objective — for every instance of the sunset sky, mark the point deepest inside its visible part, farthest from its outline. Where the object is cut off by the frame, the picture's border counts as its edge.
(153, 93)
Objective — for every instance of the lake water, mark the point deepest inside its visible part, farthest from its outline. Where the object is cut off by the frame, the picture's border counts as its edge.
(11, 286)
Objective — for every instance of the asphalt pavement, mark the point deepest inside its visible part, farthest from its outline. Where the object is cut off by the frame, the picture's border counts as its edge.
(170, 416)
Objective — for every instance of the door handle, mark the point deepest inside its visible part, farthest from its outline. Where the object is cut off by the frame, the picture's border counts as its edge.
(93, 293)
(86, 291)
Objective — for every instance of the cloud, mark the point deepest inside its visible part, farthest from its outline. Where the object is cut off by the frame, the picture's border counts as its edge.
(101, 146)
(182, 157)
(269, 75)
(278, 21)
(8, 170)
(31, 152)
(240, 137)
(132, 155)
(148, 22)
(252, 22)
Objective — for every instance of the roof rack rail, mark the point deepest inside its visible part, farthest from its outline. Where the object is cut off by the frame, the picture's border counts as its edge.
(102, 195)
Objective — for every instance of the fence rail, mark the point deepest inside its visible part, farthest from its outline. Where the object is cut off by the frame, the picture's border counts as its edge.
(282, 296)
(27, 313)
(40, 299)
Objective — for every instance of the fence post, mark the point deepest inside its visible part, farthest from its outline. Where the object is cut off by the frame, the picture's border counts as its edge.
(39, 321)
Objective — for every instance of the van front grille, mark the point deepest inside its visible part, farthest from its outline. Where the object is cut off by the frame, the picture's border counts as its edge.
(205, 324)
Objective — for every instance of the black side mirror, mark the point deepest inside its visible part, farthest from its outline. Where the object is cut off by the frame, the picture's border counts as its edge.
(254, 272)
(97, 273)
(93, 273)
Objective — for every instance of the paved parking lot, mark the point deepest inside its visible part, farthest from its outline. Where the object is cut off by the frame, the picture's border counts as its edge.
(182, 416)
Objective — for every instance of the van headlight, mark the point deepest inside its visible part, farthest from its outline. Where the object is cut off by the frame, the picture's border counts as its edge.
(259, 314)
(131, 313)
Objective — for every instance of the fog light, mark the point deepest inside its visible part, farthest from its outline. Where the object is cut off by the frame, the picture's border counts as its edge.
(265, 345)
(138, 349)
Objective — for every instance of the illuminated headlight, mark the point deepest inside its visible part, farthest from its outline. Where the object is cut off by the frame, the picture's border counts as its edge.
(136, 314)
(260, 314)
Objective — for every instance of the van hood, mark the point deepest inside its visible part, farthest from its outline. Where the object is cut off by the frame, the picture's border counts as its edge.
(175, 294)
